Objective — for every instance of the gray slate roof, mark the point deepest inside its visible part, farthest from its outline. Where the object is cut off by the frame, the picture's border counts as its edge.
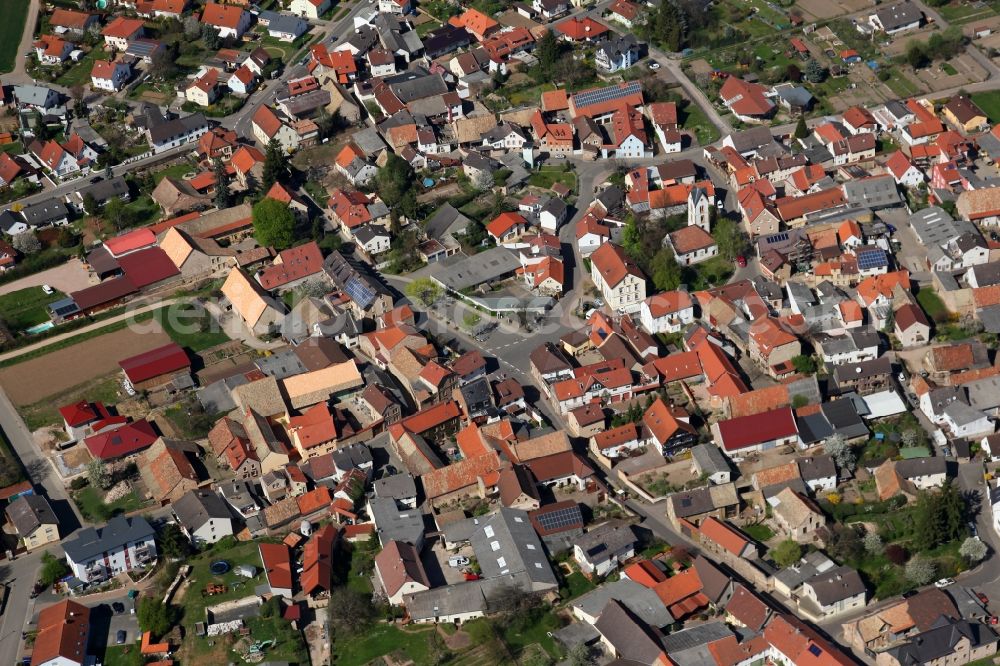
(637, 598)
(90, 542)
(29, 512)
(197, 507)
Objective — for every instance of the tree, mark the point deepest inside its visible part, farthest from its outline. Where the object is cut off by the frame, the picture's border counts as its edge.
(40, 129)
(841, 452)
(547, 52)
(873, 543)
(730, 239)
(117, 214)
(350, 611)
(173, 543)
(844, 544)
(801, 129)
(26, 242)
(192, 27)
(920, 570)
(973, 549)
(424, 290)
(896, 554)
(394, 183)
(164, 63)
(815, 73)
(210, 37)
(804, 364)
(273, 224)
(908, 437)
(222, 195)
(666, 272)
(665, 25)
(916, 55)
(793, 73)
(786, 553)
(67, 237)
(580, 654)
(77, 93)
(799, 401)
(275, 165)
(155, 616)
(940, 516)
(53, 569)
(89, 204)
(631, 239)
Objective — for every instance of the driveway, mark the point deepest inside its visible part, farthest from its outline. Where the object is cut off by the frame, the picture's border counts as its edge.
(66, 278)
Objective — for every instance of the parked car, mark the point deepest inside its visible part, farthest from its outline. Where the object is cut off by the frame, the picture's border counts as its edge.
(458, 561)
(48, 290)
(120, 637)
(994, 619)
(741, 261)
(118, 608)
(944, 582)
(654, 65)
(983, 598)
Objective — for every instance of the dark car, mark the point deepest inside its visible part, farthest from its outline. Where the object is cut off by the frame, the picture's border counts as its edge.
(120, 637)
(118, 607)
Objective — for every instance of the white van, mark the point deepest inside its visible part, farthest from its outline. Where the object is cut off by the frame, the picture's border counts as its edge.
(458, 561)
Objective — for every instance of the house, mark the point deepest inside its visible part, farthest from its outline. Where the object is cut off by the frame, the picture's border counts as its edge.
(95, 555)
(948, 641)
(707, 460)
(693, 506)
(902, 169)
(506, 227)
(910, 326)
(310, 9)
(204, 89)
(576, 29)
(293, 267)
(258, 310)
(897, 18)
(628, 638)
(964, 114)
(266, 125)
(796, 516)
(121, 31)
(692, 244)
(618, 278)
(228, 20)
(169, 134)
(109, 75)
(166, 469)
(242, 81)
(601, 550)
(121, 441)
(616, 52)
(772, 347)
(156, 367)
(667, 312)
(34, 520)
(748, 101)
(73, 21)
(400, 572)
(831, 593)
(549, 9)
(354, 166)
(759, 432)
(277, 562)
(397, 7)
(204, 516)
(283, 27)
(63, 632)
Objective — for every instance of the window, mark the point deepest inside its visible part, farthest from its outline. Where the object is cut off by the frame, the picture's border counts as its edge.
(501, 562)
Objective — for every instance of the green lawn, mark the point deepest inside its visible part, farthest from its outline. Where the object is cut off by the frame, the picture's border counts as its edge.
(175, 171)
(289, 645)
(144, 210)
(122, 655)
(578, 584)
(959, 13)
(901, 85)
(932, 304)
(709, 273)
(518, 637)
(235, 553)
(694, 120)
(547, 176)
(95, 509)
(758, 531)
(427, 26)
(989, 102)
(25, 308)
(382, 640)
(190, 326)
(79, 73)
(15, 14)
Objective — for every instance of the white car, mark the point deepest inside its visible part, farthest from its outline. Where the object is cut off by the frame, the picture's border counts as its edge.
(654, 65)
(48, 290)
(458, 561)
(944, 582)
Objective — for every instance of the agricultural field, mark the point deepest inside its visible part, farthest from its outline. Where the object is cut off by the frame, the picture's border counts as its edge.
(15, 14)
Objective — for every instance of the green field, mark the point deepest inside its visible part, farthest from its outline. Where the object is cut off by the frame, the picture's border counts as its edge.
(194, 604)
(547, 176)
(79, 73)
(25, 308)
(190, 326)
(381, 640)
(94, 508)
(15, 13)
(932, 304)
(901, 85)
(989, 102)
(694, 120)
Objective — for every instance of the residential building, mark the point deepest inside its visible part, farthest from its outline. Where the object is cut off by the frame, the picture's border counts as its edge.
(618, 278)
(96, 554)
(204, 516)
(34, 520)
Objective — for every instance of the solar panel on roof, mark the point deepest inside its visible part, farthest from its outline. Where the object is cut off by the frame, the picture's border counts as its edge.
(605, 94)
(566, 517)
(872, 259)
(359, 292)
(777, 238)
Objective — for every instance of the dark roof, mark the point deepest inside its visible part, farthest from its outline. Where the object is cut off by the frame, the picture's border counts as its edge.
(444, 40)
(46, 212)
(169, 358)
(913, 467)
(836, 585)
(816, 467)
(90, 543)
(197, 507)
(631, 637)
(555, 518)
(170, 129)
(940, 641)
(105, 190)
(108, 291)
(843, 418)
(899, 15)
(29, 512)
(863, 370)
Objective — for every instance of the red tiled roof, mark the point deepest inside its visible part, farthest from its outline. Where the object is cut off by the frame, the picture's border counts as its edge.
(277, 564)
(746, 431)
(160, 361)
(147, 267)
(121, 441)
(292, 264)
(724, 534)
(122, 28)
(62, 632)
(224, 16)
(130, 242)
(578, 29)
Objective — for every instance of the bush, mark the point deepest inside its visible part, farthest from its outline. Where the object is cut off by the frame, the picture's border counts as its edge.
(79, 483)
(896, 554)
